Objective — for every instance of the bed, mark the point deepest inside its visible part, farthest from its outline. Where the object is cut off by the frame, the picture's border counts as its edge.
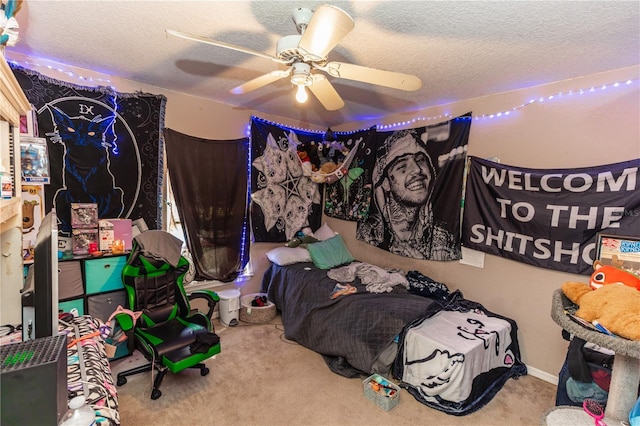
(360, 332)
(354, 332)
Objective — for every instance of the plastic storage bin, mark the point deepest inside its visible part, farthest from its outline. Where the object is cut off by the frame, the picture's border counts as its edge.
(229, 306)
(386, 398)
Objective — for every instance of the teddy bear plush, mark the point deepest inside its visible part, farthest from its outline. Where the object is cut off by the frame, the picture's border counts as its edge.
(616, 307)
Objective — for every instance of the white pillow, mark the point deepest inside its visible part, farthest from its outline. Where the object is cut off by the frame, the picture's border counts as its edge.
(288, 255)
(324, 232)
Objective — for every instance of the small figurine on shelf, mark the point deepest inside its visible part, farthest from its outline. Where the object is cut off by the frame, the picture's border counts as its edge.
(117, 247)
(84, 215)
(83, 241)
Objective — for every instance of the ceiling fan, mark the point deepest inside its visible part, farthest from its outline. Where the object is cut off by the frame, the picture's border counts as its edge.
(306, 53)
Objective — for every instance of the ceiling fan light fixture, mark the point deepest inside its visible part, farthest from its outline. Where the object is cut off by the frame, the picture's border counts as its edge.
(320, 30)
(301, 75)
(301, 94)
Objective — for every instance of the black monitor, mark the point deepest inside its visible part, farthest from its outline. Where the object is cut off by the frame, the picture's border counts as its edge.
(45, 278)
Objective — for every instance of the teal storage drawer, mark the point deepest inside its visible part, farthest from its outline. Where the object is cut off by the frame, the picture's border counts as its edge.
(104, 274)
(70, 304)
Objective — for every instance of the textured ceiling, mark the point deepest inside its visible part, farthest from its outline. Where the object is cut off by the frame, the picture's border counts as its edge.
(460, 49)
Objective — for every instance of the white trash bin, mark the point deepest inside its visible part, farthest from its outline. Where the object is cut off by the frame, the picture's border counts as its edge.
(229, 306)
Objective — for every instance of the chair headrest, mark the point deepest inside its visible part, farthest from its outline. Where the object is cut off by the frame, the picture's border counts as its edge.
(160, 245)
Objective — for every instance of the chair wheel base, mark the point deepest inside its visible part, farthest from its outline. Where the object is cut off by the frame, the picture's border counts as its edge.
(121, 381)
(155, 394)
(204, 371)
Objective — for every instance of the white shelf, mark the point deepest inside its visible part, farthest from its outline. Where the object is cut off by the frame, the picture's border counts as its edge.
(13, 104)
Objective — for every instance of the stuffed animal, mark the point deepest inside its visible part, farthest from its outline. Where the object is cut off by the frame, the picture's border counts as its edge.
(608, 274)
(308, 152)
(307, 167)
(616, 307)
(328, 167)
(302, 238)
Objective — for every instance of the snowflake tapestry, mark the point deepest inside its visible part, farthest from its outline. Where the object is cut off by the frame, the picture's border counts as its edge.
(284, 200)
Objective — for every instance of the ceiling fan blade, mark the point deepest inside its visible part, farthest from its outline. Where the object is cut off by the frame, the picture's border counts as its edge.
(328, 25)
(326, 94)
(395, 80)
(200, 39)
(261, 81)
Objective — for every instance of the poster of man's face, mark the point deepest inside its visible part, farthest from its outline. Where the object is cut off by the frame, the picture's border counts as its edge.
(417, 181)
(410, 178)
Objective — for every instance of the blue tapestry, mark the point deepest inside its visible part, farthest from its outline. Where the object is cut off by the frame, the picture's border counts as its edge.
(104, 147)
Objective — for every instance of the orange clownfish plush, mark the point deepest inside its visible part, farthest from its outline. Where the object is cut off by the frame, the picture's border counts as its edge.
(607, 274)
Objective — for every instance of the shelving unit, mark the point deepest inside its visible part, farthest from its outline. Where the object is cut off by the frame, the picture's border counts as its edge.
(13, 104)
(94, 287)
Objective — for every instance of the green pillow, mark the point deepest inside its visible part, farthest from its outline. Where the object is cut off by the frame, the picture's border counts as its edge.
(330, 253)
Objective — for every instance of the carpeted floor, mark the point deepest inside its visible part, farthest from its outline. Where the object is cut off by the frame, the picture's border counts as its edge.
(260, 378)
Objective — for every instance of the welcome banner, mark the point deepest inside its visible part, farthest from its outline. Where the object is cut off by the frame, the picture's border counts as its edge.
(549, 218)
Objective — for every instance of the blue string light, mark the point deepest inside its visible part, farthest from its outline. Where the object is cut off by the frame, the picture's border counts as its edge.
(245, 233)
(301, 129)
(507, 112)
(115, 149)
(68, 73)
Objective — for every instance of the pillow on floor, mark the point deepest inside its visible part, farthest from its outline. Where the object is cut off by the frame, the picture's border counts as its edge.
(282, 256)
(330, 253)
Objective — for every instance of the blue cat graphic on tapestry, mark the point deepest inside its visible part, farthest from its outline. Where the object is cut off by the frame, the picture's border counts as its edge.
(86, 173)
(448, 351)
(104, 147)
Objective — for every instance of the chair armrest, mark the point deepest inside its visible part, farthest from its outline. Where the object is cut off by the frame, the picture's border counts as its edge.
(125, 321)
(211, 297)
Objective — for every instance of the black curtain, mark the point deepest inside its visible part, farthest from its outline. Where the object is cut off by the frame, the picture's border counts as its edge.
(209, 181)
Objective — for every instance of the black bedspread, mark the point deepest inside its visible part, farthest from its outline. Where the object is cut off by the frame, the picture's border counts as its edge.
(356, 334)
(352, 330)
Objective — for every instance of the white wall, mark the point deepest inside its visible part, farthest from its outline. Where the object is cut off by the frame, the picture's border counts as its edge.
(567, 131)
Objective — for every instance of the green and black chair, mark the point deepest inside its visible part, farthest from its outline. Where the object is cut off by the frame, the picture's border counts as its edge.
(171, 335)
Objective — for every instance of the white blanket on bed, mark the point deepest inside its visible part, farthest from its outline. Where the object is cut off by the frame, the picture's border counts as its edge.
(377, 279)
(446, 352)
